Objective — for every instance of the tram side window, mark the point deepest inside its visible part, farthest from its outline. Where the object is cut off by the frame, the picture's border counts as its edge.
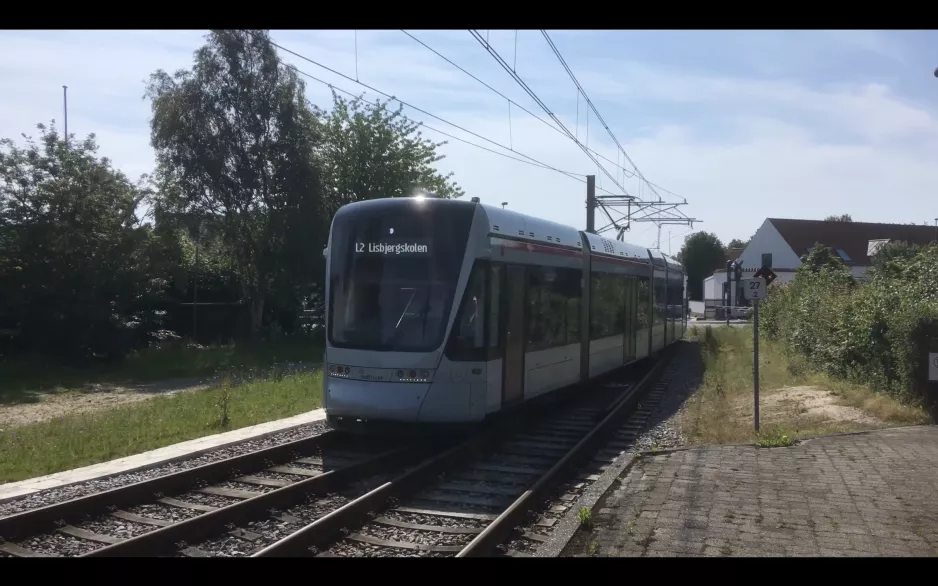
(677, 299)
(495, 287)
(571, 288)
(551, 295)
(535, 326)
(621, 282)
(597, 304)
(644, 303)
(659, 301)
(607, 309)
(467, 341)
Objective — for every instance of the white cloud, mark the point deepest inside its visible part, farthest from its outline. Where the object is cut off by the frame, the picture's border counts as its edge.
(740, 149)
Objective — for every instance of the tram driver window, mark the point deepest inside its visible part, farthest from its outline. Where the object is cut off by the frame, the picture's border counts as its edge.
(469, 332)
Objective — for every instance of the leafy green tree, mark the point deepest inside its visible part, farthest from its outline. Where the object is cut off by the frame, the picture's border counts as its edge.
(80, 272)
(892, 258)
(701, 254)
(371, 152)
(236, 142)
(823, 258)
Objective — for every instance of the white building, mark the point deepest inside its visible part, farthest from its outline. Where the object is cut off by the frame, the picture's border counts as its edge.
(788, 240)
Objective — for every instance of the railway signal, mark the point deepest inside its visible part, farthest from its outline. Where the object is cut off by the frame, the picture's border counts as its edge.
(767, 274)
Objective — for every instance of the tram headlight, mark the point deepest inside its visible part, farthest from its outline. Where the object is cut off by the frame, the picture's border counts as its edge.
(339, 370)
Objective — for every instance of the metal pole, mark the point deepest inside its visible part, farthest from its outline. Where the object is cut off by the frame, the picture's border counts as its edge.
(591, 204)
(65, 108)
(755, 358)
(195, 285)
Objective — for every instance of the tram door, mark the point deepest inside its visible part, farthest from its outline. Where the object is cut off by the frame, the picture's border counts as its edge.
(513, 374)
(631, 307)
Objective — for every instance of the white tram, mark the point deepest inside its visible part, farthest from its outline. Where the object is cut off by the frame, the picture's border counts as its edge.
(447, 311)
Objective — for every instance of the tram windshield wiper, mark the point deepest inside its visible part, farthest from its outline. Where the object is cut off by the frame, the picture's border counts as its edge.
(413, 293)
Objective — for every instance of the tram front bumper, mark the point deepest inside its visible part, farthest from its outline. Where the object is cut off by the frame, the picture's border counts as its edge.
(379, 401)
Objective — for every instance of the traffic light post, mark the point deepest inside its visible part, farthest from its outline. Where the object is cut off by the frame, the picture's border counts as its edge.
(729, 291)
(734, 275)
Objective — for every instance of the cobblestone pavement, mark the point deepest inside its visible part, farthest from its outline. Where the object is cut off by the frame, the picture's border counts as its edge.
(871, 494)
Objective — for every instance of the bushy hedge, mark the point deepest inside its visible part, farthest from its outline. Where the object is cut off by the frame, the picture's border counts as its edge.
(877, 332)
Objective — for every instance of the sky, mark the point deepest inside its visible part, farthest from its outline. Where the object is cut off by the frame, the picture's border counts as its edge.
(743, 125)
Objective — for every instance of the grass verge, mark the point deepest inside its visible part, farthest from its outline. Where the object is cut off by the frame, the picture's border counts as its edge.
(25, 380)
(83, 439)
(795, 401)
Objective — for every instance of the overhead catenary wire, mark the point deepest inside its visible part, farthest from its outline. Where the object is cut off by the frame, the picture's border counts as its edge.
(402, 102)
(527, 159)
(628, 174)
(592, 106)
(500, 60)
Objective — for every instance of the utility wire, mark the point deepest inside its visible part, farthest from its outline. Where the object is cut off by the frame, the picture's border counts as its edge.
(626, 172)
(498, 58)
(593, 107)
(569, 71)
(530, 160)
(402, 102)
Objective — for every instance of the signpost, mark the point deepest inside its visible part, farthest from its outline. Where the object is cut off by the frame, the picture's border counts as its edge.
(754, 290)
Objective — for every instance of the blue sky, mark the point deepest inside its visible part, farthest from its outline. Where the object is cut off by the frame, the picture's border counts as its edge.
(743, 124)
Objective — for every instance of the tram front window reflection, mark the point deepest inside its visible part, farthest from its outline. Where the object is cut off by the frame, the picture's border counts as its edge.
(393, 273)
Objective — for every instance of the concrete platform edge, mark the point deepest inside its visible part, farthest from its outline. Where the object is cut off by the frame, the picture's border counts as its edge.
(19, 489)
(570, 523)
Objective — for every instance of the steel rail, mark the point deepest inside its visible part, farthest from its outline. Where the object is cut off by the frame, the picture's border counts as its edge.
(33, 521)
(165, 539)
(499, 529)
(328, 527)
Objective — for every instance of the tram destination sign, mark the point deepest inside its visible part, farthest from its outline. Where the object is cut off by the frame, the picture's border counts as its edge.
(393, 247)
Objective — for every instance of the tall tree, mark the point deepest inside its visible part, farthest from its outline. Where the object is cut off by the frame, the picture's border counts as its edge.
(840, 218)
(370, 151)
(737, 243)
(701, 254)
(80, 273)
(236, 141)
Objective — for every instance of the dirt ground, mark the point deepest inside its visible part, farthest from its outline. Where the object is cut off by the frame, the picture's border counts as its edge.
(807, 403)
(92, 397)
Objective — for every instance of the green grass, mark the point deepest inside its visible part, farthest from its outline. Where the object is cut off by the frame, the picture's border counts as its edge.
(586, 518)
(25, 380)
(775, 438)
(83, 439)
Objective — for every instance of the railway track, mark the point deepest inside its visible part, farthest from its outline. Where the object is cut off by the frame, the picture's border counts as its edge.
(468, 500)
(138, 518)
(532, 530)
(335, 495)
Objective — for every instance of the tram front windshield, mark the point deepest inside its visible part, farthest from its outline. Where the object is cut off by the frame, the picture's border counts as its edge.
(393, 273)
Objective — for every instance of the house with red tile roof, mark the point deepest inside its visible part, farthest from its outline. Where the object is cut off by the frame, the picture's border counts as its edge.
(788, 240)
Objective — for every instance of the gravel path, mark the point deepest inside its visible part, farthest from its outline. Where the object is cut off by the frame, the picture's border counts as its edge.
(57, 495)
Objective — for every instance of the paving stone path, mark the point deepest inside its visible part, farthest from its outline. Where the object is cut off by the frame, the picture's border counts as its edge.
(870, 494)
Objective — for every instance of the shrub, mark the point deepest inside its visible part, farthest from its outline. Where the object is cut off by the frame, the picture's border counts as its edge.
(878, 332)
